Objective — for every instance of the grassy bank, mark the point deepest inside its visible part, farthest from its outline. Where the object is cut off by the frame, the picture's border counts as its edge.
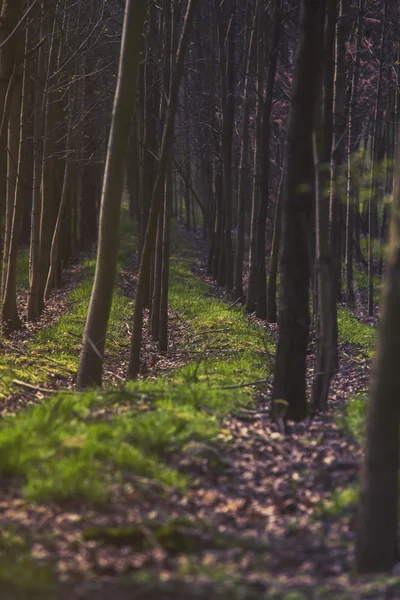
(86, 446)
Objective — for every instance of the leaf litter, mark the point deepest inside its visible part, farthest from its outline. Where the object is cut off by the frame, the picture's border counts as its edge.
(258, 520)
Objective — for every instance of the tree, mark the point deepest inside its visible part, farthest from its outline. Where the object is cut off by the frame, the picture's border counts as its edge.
(158, 195)
(376, 541)
(91, 359)
(297, 200)
(351, 145)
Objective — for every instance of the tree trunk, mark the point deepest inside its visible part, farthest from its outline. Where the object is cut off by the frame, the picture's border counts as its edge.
(157, 196)
(226, 39)
(244, 170)
(251, 285)
(55, 244)
(163, 326)
(10, 318)
(337, 160)
(274, 261)
(290, 368)
(352, 128)
(376, 541)
(91, 359)
(34, 265)
(260, 269)
(372, 200)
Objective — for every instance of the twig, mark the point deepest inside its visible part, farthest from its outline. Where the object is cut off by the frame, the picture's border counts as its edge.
(32, 387)
(232, 304)
(242, 385)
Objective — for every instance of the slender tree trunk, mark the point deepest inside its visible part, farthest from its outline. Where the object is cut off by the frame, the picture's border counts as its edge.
(376, 541)
(12, 115)
(244, 167)
(326, 301)
(34, 264)
(290, 369)
(226, 38)
(10, 318)
(274, 261)
(163, 326)
(260, 270)
(158, 195)
(158, 260)
(337, 161)
(352, 128)
(10, 16)
(251, 285)
(55, 244)
(91, 359)
(372, 200)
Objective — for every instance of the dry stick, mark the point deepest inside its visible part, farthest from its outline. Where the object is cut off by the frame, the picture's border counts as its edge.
(32, 387)
(242, 385)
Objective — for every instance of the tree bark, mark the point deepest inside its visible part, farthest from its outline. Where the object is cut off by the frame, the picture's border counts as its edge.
(10, 317)
(91, 359)
(158, 195)
(372, 200)
(244, 170)
(352, 128)
(260, 266)
(376, 540)
(290, 367)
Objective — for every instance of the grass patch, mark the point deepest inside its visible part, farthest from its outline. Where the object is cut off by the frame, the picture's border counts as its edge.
(353, 420)
(82, 447)
(339, 502)
(229, 349)
(55, 349)
(355, 332)
(360, 278)
(21, 576)
(176, 535)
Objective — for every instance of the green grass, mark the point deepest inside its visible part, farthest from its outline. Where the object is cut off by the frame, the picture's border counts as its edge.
(82, 447)
(339, 502)
(361, 282)
(54, 351)
(355, 332)
(353, 421)
(21, 576)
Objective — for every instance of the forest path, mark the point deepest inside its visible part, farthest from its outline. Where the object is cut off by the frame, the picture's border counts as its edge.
(262, 516)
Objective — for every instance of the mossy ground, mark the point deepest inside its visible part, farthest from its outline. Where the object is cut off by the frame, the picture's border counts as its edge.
(84, 449)
(79, 446)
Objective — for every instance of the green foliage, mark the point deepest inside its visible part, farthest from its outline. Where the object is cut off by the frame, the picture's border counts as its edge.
(340, 501)
(21, 576)
(353, 420)
(81, 446)
(177, 535)
(54, 351)
(355, 332)
(361, 278)
(228, 347)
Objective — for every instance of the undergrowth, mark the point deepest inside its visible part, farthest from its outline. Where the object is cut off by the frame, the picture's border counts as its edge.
(85, 446)
(54, 351)
(353, 331)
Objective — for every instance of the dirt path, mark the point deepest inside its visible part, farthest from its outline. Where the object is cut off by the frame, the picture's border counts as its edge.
(255, 523)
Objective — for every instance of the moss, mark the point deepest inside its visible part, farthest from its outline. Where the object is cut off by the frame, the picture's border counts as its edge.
(79, 446)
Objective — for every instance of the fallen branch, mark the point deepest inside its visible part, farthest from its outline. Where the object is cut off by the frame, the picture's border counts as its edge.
(29, 386)
(232, 304)
(242, 385)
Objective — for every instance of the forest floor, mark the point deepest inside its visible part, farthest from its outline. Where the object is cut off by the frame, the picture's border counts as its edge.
(178, 485)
